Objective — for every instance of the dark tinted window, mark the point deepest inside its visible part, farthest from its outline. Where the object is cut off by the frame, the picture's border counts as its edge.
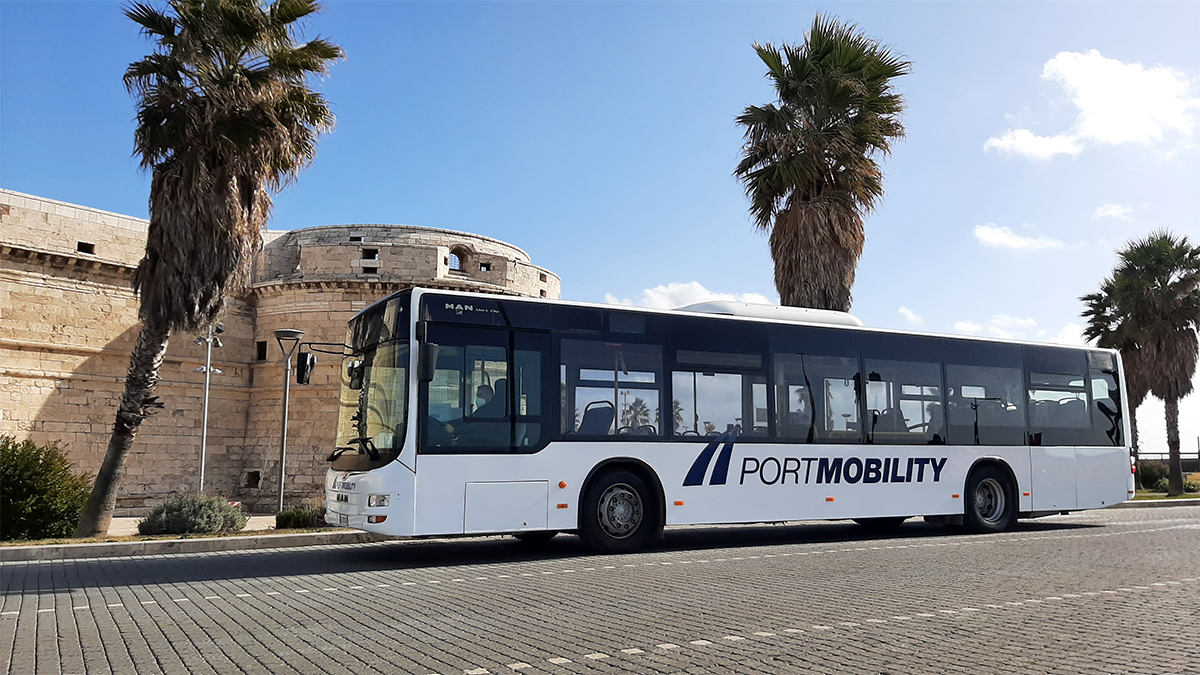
(707, 402)
(1058, 397)
(487, 392)
(1107, 424)
(620, 322)
(904, 402)
(611, 389)
(985, 393)
(468, 400)
(817, 398)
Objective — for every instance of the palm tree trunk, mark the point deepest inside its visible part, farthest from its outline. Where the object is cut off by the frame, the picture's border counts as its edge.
(1137, 460)
(136, 403)
(1175, 466)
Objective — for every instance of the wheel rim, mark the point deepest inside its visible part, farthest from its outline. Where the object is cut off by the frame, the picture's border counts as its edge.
(989, 500)
(620, 511)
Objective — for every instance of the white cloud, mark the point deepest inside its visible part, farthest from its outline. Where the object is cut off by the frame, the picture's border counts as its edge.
(1010, 327)
(1003, 237)
(1026, 143)
(910, 316)
(1006, 321)
(679, 294)
(1112, 211)
(1071, 334)
(1116, 102)
(1000, 325)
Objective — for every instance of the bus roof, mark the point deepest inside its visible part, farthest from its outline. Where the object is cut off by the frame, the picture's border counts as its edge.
(783, 315)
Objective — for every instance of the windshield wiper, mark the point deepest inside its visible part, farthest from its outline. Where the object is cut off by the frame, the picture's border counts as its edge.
(364, 441)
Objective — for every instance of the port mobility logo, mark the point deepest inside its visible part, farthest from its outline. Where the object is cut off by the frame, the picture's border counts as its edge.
(800, 470)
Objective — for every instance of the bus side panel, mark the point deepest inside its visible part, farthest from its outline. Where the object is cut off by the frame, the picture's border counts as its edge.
(1095, 471)
(802, 482)
(1054, 477)
(762, 483)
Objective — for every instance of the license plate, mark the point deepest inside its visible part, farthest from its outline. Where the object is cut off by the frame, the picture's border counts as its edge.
(343, 519)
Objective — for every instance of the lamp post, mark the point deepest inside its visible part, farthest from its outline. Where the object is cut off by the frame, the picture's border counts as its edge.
(208, 370)
(288, 339)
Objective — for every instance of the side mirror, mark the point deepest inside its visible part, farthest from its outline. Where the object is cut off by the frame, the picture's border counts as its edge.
(427, 362)
(305, 362)
(355, 373)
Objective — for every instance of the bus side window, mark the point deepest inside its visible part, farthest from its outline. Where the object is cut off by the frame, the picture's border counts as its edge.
(1108, 427)
(816, 398)
(1058, 409)
(794, 402)
(985, 405)
(527, 397)
(904, 402)
(487, 423)
(710, 397)
(611, 389)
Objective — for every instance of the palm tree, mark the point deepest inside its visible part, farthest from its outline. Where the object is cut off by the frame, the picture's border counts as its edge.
(635, 414)
(225, 118)
(808, 162)
(1153, 302)
(1107, 329)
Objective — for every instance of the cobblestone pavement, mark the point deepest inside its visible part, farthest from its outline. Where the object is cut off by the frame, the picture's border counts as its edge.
(1103, 592)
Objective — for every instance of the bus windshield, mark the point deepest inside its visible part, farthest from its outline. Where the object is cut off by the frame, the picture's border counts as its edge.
(374, 406)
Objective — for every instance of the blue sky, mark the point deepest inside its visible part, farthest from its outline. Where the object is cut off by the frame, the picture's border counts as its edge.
(600, 138)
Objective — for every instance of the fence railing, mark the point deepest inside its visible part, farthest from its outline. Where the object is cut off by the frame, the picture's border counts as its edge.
(1190, 461)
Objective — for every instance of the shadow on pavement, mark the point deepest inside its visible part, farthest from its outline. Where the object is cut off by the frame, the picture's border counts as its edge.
(34, 578)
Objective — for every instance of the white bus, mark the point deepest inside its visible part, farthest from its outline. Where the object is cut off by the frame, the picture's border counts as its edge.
(472, 414)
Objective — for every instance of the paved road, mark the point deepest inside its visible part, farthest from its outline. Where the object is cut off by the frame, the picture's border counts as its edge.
(1106, 592)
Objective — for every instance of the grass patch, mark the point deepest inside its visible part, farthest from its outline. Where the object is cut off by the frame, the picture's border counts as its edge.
(1143, 495)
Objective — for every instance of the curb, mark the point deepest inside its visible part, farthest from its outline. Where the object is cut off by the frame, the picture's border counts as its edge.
(1155, 503)
(121, 549)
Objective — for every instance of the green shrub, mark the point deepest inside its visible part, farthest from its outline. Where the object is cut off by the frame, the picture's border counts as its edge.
(40, 497)
(300, 517)
(1164, 485)
(1151, 473)
(193, 514)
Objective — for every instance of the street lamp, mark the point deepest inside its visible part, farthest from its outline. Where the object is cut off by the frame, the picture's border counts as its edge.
(288, 339)
(208, 370)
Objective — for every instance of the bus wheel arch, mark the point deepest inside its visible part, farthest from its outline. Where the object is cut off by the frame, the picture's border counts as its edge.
(990, 502)
(631, 473)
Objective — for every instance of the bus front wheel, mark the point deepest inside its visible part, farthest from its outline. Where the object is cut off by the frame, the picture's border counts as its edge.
(991, 504)
(618, 513)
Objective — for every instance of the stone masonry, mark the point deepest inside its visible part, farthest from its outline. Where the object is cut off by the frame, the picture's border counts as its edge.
(68, 321)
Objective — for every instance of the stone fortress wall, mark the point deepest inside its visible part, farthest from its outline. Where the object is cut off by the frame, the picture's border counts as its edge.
(68, 321)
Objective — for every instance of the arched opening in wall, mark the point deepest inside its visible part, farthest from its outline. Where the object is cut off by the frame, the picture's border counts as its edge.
(458, 259)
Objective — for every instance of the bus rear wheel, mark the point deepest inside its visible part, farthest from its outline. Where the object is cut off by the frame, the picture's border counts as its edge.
(991, 504)
(618, 513)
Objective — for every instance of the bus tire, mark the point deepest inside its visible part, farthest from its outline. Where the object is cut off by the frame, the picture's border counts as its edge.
(535, 537)
(991, 503)
(881, 524)
(619, 513)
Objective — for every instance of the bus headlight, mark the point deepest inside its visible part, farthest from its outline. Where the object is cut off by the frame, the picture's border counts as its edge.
(376, 501)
